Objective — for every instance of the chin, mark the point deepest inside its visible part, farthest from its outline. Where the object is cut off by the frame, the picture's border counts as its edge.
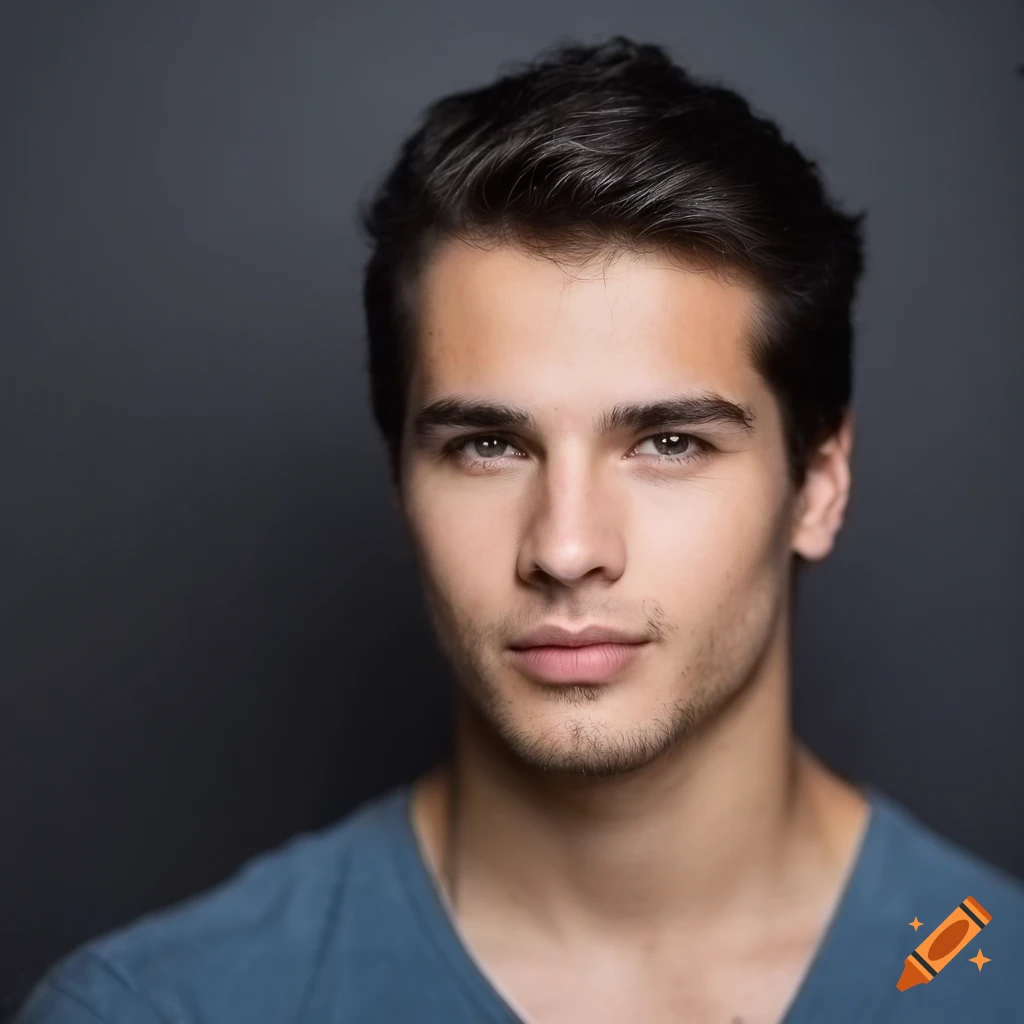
(586, 760)
(577, 737)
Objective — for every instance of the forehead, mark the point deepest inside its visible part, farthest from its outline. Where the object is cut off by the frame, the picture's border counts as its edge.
(500, 322)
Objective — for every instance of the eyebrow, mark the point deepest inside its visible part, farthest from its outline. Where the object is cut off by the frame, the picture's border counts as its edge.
(701, 408)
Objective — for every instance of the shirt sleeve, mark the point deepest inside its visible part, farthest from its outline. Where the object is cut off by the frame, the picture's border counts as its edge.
(85, 989)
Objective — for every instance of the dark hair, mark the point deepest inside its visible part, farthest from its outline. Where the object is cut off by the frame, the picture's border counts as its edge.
(615, 148)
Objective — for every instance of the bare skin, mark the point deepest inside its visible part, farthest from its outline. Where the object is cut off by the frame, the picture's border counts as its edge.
(659, 847)
(745, 966)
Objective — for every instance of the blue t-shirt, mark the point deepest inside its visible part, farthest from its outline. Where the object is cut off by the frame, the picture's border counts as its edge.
(345, 925)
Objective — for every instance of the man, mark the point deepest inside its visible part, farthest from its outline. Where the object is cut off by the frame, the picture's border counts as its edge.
(610, 346)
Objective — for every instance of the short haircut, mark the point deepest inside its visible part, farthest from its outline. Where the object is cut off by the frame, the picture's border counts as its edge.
(613, 149)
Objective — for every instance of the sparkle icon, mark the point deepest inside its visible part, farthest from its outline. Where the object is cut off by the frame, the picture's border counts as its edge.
(915, 924)
(980, 959)
(948, 939)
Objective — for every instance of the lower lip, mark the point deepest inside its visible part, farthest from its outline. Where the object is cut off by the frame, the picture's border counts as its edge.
(592, 663)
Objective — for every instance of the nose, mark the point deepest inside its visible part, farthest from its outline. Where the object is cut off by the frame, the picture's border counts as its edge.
(574, 527)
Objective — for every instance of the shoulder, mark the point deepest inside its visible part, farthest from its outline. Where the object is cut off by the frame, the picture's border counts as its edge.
(929, 863)
(242, 950)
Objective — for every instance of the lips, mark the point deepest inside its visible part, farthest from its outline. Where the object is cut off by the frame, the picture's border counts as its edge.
(587, 663)
(551, 635)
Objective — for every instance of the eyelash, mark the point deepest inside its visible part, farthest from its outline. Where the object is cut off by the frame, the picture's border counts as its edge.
(702, 448)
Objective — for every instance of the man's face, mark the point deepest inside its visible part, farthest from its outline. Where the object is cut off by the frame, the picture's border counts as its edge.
(679, 531)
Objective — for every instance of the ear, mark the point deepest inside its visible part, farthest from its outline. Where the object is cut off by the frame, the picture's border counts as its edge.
(821, 503)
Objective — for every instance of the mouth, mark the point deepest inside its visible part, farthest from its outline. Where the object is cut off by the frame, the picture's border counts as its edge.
(588, 663)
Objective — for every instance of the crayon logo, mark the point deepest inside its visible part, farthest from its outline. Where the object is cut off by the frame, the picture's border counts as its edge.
(944, 943)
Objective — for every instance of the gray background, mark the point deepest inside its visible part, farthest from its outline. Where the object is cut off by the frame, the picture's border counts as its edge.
(212, 635)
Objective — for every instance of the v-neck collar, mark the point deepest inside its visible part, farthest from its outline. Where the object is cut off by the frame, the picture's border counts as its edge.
(856, 921)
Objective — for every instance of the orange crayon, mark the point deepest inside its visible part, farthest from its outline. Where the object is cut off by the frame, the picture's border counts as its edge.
(943, 944)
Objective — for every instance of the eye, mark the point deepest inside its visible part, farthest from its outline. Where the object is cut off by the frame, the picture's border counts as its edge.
(670, 446)
(485, 447)
(675, 446)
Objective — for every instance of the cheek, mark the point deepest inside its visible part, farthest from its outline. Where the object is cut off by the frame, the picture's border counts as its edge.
(466, 544)
(711, 541)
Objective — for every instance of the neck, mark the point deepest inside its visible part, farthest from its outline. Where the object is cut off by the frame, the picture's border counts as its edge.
(734, 826)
